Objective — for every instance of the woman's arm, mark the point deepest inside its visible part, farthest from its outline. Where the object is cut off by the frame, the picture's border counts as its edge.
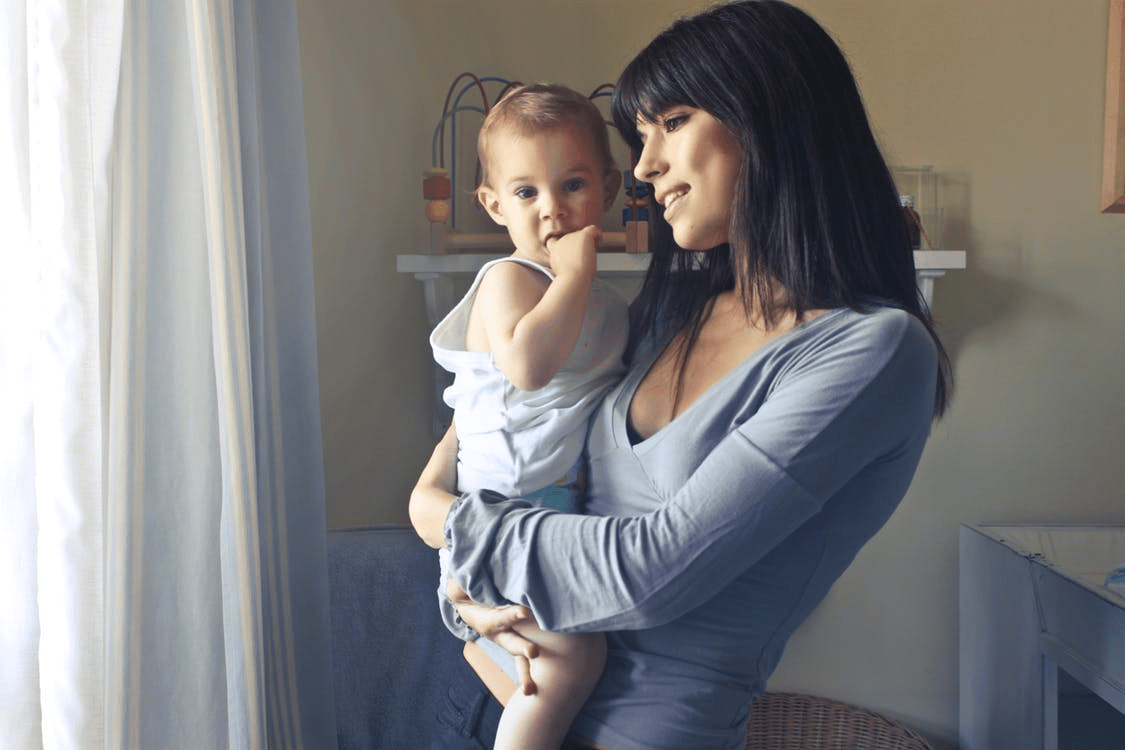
(863, 405)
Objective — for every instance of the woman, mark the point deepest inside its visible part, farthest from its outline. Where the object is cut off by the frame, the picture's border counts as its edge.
(781, 387)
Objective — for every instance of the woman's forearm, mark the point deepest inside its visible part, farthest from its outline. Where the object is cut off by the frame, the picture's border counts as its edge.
(583, 573)
(435, 491)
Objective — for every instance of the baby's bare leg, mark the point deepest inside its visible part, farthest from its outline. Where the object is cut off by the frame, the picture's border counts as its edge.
(565, 672)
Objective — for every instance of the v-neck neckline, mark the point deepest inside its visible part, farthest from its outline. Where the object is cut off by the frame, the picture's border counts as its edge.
(622, 428)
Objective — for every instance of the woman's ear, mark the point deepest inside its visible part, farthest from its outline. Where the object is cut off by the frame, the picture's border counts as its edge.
(611, 184)
(490, 200)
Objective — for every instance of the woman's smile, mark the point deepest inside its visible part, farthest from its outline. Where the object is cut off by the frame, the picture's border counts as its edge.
(670, 199)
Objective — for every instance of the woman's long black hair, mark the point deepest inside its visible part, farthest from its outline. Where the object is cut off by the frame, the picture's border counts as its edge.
(817, 221)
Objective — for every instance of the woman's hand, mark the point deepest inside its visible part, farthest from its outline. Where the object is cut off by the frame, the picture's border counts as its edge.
(497, 624)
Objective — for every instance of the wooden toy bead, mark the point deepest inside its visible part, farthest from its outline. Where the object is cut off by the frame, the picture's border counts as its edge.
(436, 184)
(438, 211)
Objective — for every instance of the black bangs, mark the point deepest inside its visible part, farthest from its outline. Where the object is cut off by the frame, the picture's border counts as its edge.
(647, 88)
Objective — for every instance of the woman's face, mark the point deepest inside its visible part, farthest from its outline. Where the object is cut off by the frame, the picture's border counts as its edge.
(692, 161)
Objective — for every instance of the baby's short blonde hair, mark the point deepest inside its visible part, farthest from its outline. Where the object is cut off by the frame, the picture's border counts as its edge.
(532, 109)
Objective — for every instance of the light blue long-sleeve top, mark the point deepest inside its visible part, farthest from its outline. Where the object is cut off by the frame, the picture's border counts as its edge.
(708, 543)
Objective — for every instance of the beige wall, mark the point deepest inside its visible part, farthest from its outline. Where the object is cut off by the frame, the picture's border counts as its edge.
(1004, 97)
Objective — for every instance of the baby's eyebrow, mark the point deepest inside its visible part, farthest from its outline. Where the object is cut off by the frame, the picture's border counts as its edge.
(582, 169)
(524, 179)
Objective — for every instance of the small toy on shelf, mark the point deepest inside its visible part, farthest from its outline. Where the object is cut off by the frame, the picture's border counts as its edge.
(913, 221)
(920, 191)
(635, 214)
(437, 189)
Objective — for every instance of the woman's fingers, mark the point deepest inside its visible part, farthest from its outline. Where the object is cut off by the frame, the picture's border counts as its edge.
(523, 650)
(495, 623)
(523, 671)
(498, 624)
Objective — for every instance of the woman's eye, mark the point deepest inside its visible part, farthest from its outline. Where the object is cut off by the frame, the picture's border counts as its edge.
(674, 122)
(573, 186)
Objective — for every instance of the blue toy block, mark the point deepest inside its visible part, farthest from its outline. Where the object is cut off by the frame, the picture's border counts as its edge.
(627, 215)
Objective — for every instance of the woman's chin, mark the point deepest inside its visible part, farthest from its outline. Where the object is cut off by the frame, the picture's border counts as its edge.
(696, 244)
(696, 239)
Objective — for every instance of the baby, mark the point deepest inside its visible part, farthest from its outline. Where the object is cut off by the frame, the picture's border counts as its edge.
(534, 345)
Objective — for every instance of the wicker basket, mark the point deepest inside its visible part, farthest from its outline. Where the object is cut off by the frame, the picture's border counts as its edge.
(788, 721)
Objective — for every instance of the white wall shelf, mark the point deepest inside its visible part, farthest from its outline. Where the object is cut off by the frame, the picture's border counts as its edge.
(436, 272)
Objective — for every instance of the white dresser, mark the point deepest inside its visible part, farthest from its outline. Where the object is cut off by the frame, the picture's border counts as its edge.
(1034, 601)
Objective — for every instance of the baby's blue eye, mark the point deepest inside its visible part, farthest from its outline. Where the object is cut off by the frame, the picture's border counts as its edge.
(524, 193)
(573, 186)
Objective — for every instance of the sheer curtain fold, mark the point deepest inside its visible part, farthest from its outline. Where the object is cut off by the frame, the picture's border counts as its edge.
(159, 420)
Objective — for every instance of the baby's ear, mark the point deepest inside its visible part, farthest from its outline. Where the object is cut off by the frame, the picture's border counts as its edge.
(611, 184)
(490, 200)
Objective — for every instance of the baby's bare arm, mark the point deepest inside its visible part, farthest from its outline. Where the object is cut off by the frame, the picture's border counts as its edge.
(532, 327)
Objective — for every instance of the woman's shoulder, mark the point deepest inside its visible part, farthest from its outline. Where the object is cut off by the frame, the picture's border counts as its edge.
(879, 359)
(877, 318)
(875, 333)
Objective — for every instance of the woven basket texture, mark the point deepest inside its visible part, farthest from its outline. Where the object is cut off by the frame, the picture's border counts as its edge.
(791, 721)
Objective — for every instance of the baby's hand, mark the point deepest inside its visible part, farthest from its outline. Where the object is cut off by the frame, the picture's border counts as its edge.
(576, 252)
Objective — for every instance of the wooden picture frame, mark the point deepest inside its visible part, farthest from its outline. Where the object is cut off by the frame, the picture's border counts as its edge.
(1113, 153)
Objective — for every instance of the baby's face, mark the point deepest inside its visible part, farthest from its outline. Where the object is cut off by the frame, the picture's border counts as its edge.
(545, 185)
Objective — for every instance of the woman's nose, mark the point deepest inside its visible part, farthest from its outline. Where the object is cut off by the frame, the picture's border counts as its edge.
(649, 163)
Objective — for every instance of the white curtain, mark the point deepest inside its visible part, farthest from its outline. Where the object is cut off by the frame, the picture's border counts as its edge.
(162, 564)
